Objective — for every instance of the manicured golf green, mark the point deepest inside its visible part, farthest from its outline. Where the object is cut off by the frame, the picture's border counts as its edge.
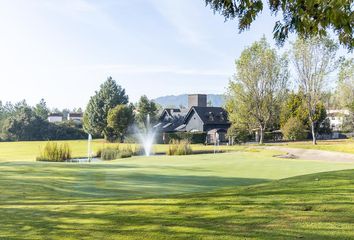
(223, 196)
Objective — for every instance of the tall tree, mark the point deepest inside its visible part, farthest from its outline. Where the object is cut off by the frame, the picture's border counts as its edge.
(41, 109)
(306, 18)
(313, 59)
(109, 96)
(258, 88)
(345, 86)
(146, 107)
(119, 118)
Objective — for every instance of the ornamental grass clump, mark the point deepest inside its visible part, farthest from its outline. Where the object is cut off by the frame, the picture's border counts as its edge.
(111, 153)
(179, 148)
(54, 152)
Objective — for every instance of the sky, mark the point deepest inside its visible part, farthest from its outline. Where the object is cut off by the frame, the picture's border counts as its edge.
(62, 50)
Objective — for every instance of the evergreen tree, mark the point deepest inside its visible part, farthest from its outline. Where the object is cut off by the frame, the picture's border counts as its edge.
(41, 109)
(146, 107)
(95, 117)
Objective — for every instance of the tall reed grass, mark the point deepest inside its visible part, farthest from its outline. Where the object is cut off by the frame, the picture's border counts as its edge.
(177, 147)
(54, 152)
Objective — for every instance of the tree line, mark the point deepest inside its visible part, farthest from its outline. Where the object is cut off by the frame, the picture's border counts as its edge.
(22, 122)
(263, 96)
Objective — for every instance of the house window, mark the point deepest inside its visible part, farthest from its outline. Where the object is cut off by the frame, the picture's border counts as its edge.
(211, 116)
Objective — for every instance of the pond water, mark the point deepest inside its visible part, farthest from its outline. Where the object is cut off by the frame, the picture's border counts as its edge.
(83, 160)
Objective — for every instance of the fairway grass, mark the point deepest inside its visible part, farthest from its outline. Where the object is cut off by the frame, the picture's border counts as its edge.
(244, 194)
(44, 206)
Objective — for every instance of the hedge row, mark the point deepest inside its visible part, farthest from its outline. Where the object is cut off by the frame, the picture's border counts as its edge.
(191, 137)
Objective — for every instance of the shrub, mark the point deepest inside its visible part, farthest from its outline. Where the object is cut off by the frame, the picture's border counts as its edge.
(294, 130)
(125, 154)
(55, 152)
(239, 134)
(179, 148)
(192, 137)
(111, 153)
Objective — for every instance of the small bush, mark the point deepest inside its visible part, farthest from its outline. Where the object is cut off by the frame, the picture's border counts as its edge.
(55, 152)
(125, 154)
(111, 153)
(179, 148)
(294, 130)
(192, 137)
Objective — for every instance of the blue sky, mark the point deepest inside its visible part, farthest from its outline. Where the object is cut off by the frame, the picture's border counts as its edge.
(62, 50)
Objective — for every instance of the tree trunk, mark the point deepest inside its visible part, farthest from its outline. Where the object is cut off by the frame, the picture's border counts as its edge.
(261, 133)
(314, 141)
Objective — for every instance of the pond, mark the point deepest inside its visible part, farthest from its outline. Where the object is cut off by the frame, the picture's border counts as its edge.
(83, 160)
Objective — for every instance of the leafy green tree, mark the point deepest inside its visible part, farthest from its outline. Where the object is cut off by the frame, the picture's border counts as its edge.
(345, 86)
(239, 134)
(306, 18)
(313, 60)
(348, 122)
(294, 129)
(119, 119)
(294, 107)
(146, 107)
(41, 109)
(95, 116)
(24, 125)
(256, 92)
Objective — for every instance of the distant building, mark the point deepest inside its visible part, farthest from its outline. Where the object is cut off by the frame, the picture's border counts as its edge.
(76, 117)
(55, 117)
(336, 118)
(197, 118)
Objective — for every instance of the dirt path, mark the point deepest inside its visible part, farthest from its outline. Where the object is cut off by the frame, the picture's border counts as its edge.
(310, 154)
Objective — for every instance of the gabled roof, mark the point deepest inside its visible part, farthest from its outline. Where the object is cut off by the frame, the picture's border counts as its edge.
(170, 112)
(75, 114)
(55, 115)
(209, 115)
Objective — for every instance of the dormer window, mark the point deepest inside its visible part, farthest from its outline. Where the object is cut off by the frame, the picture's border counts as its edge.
(211, 116)
(222, 117)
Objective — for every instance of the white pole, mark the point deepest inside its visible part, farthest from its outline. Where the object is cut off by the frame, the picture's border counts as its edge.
(89, 151)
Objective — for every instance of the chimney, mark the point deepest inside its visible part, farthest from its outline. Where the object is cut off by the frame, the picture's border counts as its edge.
(197, 100)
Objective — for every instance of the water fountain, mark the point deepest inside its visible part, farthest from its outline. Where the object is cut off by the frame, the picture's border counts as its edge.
(147, 137)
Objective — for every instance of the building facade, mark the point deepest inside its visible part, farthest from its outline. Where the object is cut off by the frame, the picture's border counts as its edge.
(55, 117)
(336, 118)
(197, 118)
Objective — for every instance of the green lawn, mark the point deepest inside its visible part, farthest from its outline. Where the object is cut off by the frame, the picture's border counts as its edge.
(222, 196)
(346, 146)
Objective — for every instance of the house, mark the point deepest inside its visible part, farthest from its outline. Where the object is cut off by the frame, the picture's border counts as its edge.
(336, 118)
(170, 120)
(55, 117)
(197, 118)
(76, 117)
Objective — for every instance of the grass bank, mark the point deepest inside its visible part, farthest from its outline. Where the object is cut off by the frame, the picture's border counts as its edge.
(346, 145)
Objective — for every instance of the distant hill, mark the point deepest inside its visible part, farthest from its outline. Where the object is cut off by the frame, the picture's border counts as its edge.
(217, 100)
